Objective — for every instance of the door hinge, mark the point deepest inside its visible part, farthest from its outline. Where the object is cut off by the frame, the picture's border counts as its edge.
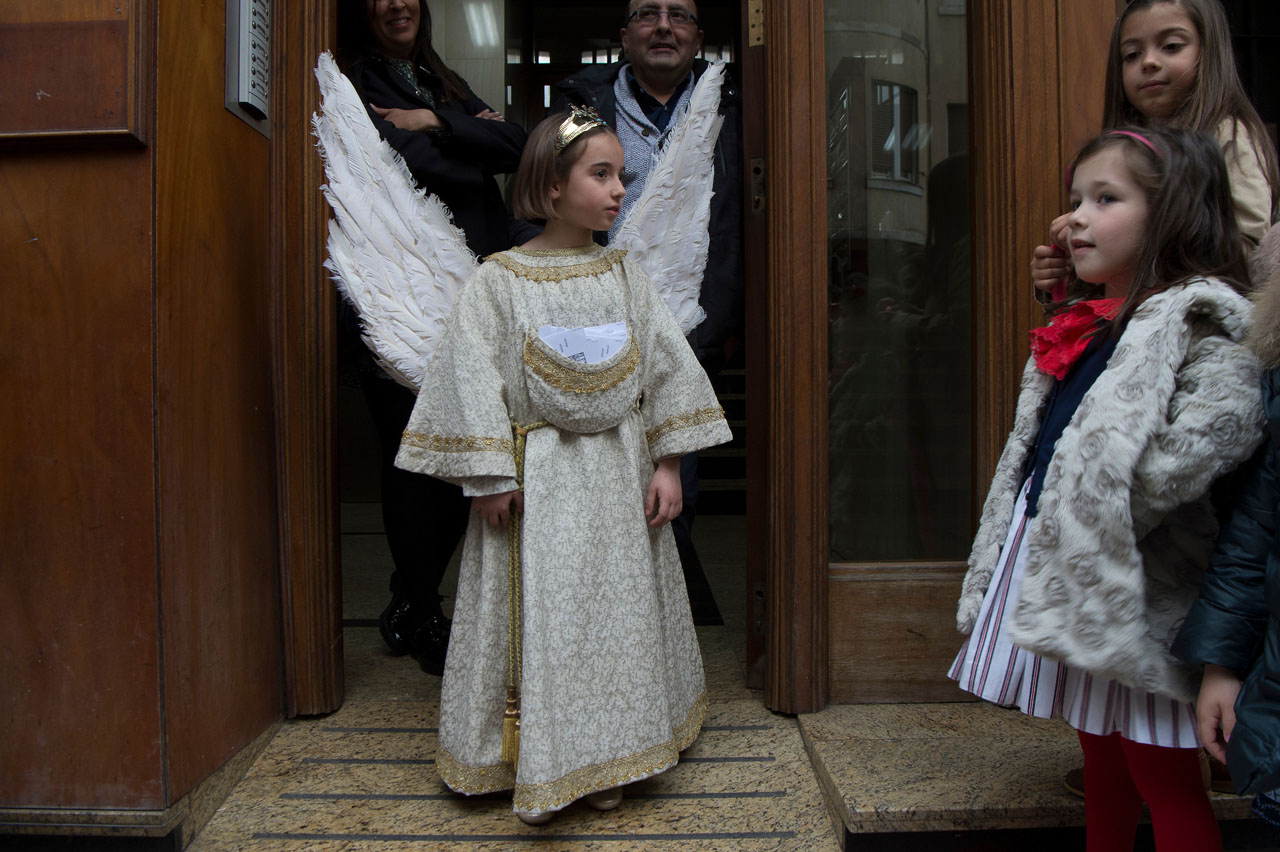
(755, 23)
(757, 185)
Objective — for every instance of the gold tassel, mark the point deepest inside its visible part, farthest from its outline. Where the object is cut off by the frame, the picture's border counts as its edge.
(511, 730)
(510, 752)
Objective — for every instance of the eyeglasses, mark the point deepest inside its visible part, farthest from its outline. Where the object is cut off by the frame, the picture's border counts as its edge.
(649, 15)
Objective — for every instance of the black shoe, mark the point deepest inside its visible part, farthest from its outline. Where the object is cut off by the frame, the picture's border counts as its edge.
(400, 620)
(430, 644)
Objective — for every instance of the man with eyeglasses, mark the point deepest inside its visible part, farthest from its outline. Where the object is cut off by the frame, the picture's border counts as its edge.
(645, 97)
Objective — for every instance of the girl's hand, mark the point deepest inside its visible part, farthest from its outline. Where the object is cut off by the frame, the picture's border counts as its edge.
(1216, 709)
(665, 498)
(497, 508)
(410, 119)
(492, 115)
(1051, 264)
(1058, 229)
(1050, 267)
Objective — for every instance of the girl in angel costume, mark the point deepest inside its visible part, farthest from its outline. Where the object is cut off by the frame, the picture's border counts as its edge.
(557, 387)
(560, 382)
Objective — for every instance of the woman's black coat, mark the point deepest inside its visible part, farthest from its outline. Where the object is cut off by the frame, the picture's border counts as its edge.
(458, 164)
(1236, 621)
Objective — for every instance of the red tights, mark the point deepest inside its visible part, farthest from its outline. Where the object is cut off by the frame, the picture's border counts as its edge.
(1119, 775)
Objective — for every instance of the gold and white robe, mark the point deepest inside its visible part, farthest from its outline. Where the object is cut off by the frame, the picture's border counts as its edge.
(612, 687)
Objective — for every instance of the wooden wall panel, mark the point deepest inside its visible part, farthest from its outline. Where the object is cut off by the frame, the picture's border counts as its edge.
(70, 91)
(77, 73)
(893, 633)
(1036, 81)
(80, 701)
(218, 557)
(1082, 41)
(1017, 145)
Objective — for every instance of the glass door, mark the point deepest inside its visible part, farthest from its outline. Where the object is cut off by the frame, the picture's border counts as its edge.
(899, 350)
(899, 384)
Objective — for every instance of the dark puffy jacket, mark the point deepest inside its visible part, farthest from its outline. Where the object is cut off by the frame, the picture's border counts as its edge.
(1236, 621)
(458, 165)
(722, 294)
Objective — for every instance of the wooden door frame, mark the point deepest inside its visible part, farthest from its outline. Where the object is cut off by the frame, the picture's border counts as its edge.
(305, 370)
(791, 331)
(1033, 53)
(1011, 64)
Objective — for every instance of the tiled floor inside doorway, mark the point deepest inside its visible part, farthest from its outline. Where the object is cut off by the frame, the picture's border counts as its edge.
(362, 778)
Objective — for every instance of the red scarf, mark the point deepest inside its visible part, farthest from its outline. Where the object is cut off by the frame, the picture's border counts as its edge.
(1058, 345)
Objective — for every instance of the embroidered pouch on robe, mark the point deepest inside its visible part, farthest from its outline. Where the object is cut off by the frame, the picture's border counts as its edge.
(579, 397)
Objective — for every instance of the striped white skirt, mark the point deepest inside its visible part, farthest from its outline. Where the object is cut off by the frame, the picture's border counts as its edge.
(993, 668)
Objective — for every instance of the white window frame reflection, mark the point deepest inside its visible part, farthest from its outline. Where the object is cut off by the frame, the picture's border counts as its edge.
(903, 141)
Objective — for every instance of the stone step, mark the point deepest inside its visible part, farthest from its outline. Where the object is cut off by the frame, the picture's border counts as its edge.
(920, 776)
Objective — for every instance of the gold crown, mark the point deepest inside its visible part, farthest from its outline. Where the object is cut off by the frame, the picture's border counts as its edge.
(580, 120)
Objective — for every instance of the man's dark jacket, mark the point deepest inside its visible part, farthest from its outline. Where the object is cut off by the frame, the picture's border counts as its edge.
(721, 295)
(1236, 621)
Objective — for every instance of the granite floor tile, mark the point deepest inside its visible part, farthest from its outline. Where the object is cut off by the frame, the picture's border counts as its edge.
(927, 721)
(948, 767)
(367, 566)
(745, 781)
(722, 550)
(373, 673)
(723, 661)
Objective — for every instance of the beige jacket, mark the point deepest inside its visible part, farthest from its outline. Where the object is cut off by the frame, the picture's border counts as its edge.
(1250, 193)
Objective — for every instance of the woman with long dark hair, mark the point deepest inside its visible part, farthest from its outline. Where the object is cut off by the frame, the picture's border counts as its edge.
(454, 145)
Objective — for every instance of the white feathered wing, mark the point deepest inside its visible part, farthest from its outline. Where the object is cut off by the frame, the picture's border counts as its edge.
(393, 249)
(396, 254)
(666, 228)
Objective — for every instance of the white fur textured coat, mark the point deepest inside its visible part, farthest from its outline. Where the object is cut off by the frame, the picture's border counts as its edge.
(1125, 529)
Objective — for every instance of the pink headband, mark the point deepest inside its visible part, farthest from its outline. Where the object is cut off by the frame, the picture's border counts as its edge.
(1144, 140)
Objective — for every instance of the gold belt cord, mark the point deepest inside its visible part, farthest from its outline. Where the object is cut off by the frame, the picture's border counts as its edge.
(515, 632)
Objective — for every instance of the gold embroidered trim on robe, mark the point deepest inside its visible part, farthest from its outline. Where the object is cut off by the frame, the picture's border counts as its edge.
(553, 795)
(559, 376)
(684, 421)
(473, 780)
(595, 266)
(564, 252)
(457, 443)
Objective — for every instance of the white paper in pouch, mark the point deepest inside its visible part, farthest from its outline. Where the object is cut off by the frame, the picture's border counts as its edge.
(589, 345)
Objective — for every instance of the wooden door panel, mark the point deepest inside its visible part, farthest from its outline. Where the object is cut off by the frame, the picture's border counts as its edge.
(893, 633)
(80, 712)
(214, 413)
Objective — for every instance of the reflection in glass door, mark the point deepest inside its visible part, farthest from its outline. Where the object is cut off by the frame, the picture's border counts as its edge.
(898, 258)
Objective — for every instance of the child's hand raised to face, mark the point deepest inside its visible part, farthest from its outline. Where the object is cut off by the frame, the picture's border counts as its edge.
(665, 498)
(1050, 264)
(496, 509)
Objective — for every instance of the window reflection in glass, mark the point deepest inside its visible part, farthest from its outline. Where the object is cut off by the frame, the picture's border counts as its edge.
(898, 243)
